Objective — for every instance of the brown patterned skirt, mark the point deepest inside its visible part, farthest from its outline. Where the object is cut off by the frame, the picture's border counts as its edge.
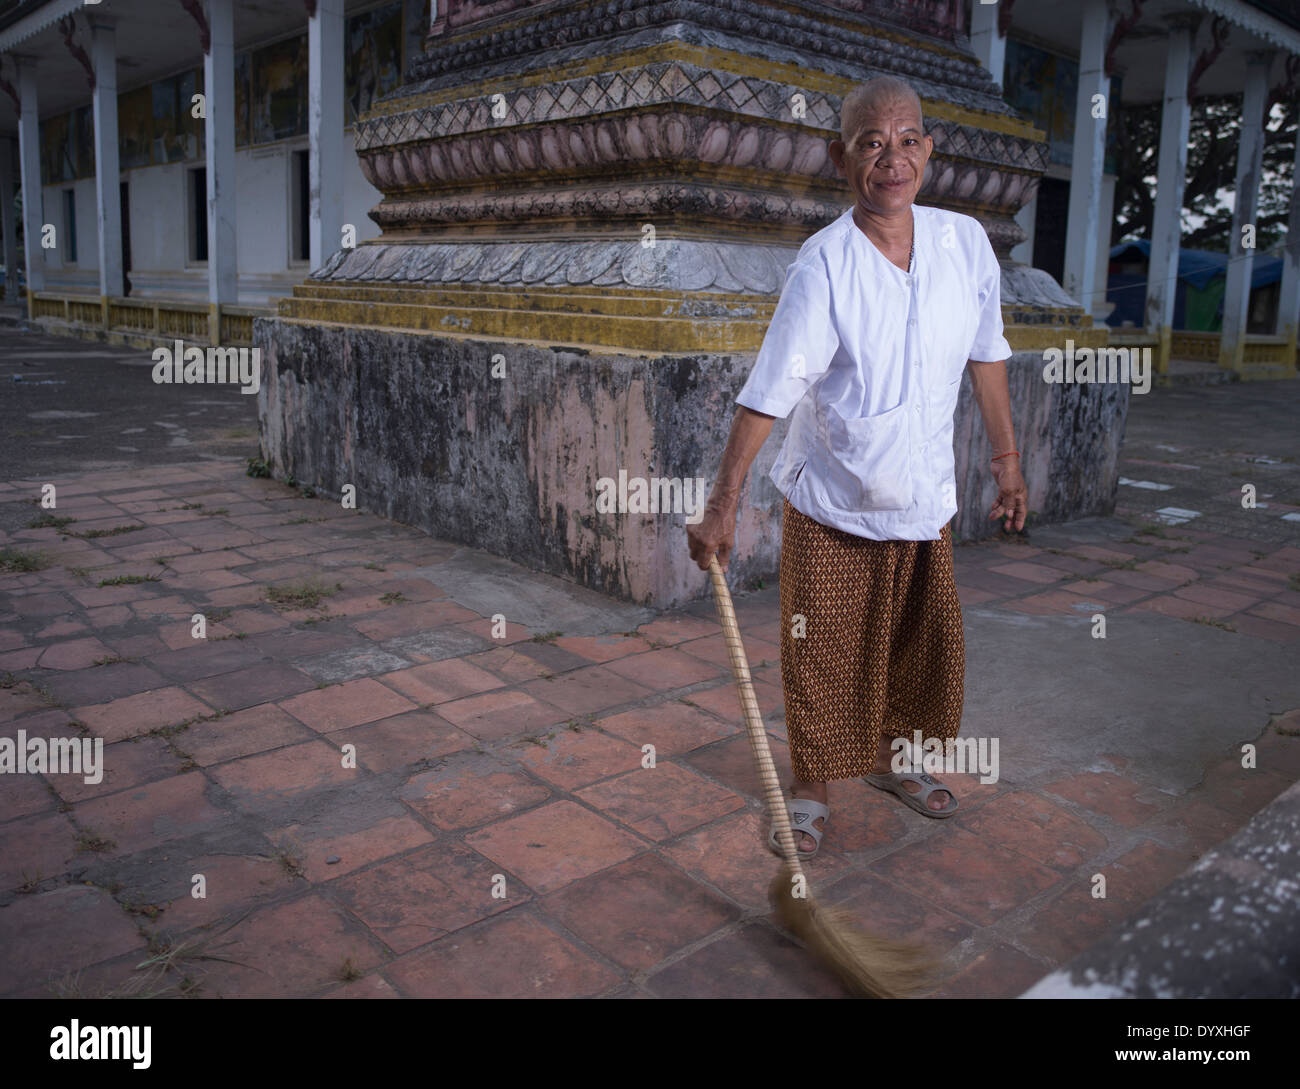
(882, 648)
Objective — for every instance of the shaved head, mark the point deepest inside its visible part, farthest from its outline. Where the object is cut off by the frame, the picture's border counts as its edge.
(866, 101)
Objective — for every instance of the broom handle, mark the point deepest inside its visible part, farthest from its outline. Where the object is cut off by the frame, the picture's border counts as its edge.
(774, 795)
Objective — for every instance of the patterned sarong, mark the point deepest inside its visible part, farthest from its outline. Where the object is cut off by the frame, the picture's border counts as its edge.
(882, 648)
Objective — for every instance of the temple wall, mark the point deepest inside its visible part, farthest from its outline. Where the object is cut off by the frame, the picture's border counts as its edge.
(162, 221)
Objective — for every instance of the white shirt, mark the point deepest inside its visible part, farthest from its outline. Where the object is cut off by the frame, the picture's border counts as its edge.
(870, 359)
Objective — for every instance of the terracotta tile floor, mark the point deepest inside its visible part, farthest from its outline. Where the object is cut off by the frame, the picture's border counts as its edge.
(379, 799)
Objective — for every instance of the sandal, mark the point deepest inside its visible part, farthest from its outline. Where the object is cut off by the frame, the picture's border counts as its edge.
(803, 811)
(893, 781)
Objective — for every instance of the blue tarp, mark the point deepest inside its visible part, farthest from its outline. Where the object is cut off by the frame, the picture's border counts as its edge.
(1199, 267)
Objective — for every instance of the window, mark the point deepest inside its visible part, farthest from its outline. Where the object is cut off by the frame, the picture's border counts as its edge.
(198, 214)
(70, 226)
(300, 206)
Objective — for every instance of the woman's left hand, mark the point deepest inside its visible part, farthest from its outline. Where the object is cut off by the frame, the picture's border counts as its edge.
(1012, 503)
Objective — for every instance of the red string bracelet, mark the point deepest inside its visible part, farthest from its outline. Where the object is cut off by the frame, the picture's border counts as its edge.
(1007, 455)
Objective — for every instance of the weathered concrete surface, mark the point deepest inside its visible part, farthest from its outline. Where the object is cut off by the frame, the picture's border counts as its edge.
(72, 406)
(1069, 437)
(491, 586)
(1228, 928)
(508, 464)
(1062, 701)
(428, 437)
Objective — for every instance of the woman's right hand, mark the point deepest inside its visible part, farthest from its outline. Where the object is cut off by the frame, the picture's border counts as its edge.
(715, 533)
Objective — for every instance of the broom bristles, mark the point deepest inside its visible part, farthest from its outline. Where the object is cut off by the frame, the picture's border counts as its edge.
(868, 965)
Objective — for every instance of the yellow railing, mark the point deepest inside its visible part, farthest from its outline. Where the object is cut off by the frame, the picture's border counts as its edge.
(236, 328)
(1190, 345)
(44, 306)
(190, 322)
(1265, 350)
(131, 315)
(1258, 348)
(88, 313)
(143, 319)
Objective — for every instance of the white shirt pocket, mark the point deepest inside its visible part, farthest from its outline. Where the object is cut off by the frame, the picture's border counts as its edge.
(868, 463)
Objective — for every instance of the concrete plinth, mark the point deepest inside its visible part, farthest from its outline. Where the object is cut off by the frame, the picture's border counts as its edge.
(513, 463)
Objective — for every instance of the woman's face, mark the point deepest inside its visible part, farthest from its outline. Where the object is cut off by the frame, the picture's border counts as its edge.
(885, 161)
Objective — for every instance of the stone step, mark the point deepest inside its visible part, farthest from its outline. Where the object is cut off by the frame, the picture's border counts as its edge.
(1255, 372)
(581, 300)
(681, 334)
(1194, 372)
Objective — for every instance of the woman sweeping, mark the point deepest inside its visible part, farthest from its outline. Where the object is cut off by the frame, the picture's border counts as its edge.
(881, 313)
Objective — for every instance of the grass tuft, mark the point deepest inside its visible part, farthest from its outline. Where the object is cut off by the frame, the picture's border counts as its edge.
(129, 580)
(303, 594)
(16, 559)
(50, 521)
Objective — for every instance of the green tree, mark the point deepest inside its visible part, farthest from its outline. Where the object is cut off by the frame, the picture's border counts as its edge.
(1211, 172)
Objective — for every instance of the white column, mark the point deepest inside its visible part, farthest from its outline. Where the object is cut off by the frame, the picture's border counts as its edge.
(989, 45)
(1288, 307)
(108, 176)
(1241, 258)
(1102, 306)
(7, 225)
(325, 124)
(29, 152)
(1171, 178)
(1084, 229)
(219, 142)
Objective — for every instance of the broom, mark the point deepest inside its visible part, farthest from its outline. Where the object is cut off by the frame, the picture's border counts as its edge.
(869, 966)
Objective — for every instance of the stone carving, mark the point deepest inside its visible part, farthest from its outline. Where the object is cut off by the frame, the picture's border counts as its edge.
(632, 204)
(698, 146)
(570, 32)
(941, 18)
(1032, 287)
(641, 86)
(672, 264)
(636, 203)
(421, 156)
(662, 85)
